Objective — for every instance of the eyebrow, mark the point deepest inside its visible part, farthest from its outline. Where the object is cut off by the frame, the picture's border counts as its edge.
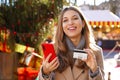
(72, 16)
(75, 15)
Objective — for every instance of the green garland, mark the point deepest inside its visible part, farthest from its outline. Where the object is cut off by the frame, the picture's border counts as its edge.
(28, 20)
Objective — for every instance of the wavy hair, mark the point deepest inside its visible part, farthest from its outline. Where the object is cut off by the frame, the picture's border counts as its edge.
(60, 44)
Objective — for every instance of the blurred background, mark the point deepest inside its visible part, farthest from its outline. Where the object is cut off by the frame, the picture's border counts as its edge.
(25, 24)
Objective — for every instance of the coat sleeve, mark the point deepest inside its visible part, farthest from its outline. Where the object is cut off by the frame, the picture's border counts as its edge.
(100, 61)
(40, 77)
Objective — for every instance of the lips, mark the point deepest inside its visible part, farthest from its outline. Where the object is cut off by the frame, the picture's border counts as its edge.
(72, 28)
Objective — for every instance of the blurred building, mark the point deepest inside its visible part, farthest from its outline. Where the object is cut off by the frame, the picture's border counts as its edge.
(106, 26)
(112, 5)
(105, 21)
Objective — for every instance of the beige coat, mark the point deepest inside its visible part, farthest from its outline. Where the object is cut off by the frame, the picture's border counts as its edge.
(80, 74)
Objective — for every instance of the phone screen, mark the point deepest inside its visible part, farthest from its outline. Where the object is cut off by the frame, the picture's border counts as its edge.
(47, 49)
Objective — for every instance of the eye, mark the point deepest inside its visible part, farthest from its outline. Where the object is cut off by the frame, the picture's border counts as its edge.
(65, 20)
(75, 18)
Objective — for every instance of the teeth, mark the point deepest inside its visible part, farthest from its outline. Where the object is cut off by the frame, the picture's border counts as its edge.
(71, 28)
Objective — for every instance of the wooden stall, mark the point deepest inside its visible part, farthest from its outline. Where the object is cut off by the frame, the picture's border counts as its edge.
(106, 26)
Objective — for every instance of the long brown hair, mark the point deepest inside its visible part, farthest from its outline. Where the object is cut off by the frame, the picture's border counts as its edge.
(60, 43)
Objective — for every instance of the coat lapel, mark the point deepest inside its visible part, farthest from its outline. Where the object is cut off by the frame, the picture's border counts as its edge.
(68, 74)
(76, 72)
(72, 74)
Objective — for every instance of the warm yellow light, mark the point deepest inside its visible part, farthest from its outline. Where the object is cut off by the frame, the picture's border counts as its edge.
(107, 30)
(94, 26)
(118, 26)
(100, 26)
(112, 26)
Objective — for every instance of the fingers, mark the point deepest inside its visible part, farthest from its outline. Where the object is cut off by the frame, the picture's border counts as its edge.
(48, 57)
(90, 56)
(90, 53)
(91, 59)
(50, 66)
(54, 64)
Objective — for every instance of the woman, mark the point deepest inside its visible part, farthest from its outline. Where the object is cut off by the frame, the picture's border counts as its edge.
(73, 32)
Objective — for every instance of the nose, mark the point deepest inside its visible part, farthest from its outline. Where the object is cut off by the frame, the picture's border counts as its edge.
(70, 22)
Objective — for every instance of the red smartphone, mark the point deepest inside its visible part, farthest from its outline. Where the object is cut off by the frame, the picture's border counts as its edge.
(47, 49)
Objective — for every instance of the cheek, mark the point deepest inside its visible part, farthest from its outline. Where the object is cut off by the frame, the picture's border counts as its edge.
(64, 27)
(79, 27)
(79, 30)
(65, 30)
(80, 24)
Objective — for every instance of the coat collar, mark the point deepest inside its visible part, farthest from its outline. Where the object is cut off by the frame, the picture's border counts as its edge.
(73, 74)
(76, 72)
(68, 74)
(71, 46)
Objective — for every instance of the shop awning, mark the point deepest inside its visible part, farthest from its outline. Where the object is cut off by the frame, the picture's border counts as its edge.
(104, 23)
(101, 18)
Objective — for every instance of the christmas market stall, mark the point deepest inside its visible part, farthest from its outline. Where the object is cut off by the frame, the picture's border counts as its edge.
(24, 25)
(106, 26)
(8, 58)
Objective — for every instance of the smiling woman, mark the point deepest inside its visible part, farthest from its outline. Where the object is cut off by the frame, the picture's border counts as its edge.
(70, 23)
(73, 32)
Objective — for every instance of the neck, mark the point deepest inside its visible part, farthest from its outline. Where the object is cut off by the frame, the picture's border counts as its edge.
(75, 40)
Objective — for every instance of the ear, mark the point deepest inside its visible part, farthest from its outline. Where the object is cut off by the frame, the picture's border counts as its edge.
(83, 23)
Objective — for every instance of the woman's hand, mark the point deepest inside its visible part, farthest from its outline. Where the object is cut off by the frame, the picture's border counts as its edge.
(49, 66)
(91, 60)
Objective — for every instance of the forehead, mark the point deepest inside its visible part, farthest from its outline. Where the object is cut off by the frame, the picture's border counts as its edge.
(70, 13)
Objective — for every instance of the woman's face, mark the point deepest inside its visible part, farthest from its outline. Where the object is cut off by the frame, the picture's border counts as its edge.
(72, 24)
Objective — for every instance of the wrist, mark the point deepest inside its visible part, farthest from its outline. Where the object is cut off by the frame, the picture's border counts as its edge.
(45, 71)
(44, 75)
(94, 69)
(95, 73)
